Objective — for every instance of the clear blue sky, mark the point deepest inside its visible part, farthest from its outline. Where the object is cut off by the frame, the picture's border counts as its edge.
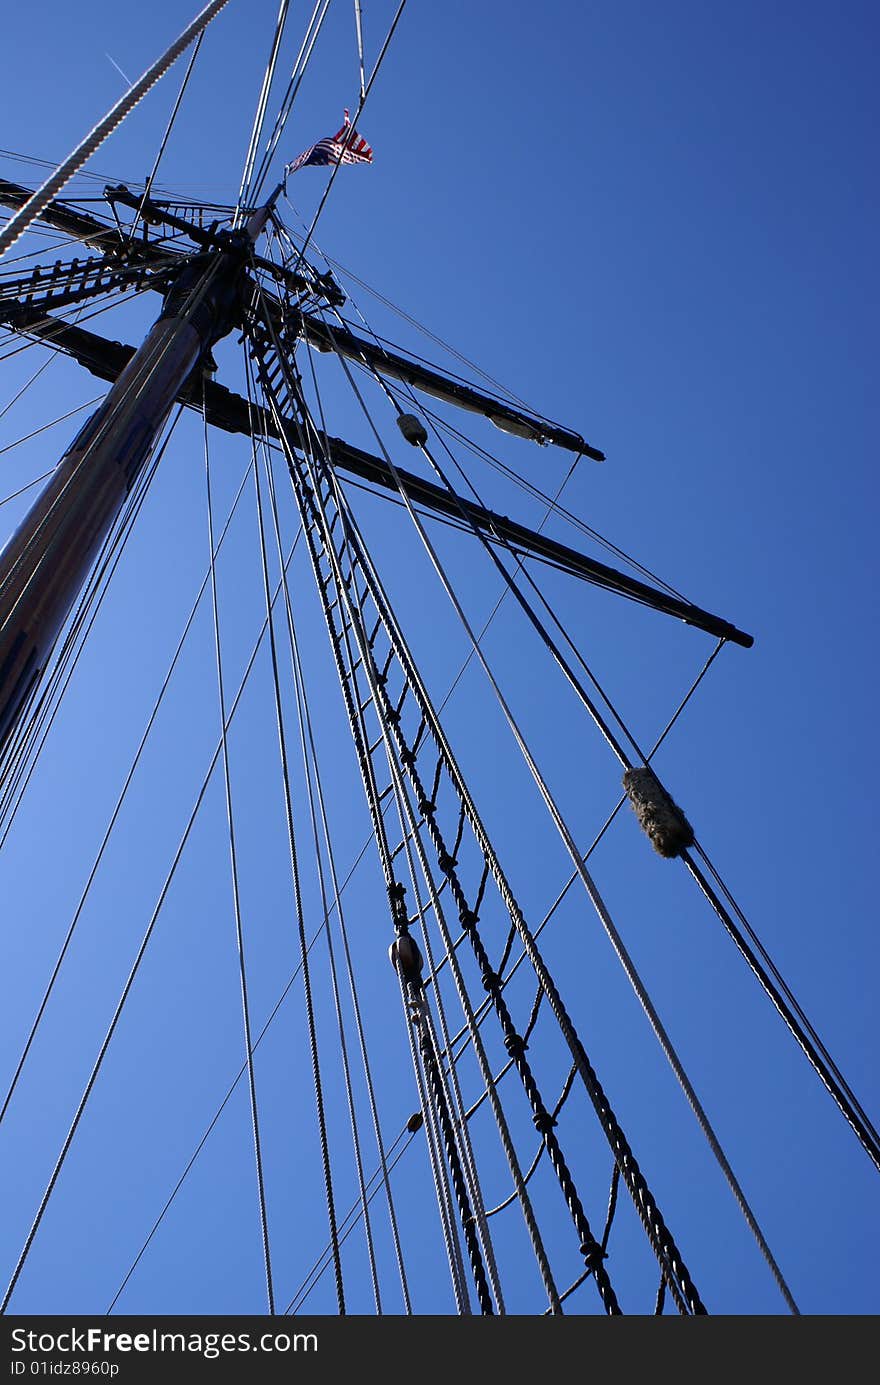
(659, 225)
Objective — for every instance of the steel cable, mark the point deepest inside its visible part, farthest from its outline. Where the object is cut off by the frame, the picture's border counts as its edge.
(236, 899)
(306, 721)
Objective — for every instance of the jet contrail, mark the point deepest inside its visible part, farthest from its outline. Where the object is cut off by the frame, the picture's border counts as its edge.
(118, 68)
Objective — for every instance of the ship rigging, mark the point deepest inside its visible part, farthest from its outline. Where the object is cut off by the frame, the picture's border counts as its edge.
(502, 1146)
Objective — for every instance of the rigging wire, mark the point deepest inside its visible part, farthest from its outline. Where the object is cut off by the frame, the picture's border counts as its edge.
(272, 1014)
(564, 1095)
(119, 803)
(508, 579)
(298, 910)
(57, 244)
(504, 391)
(148, 186)
(539, 627)
(208, 1131)
(358, 25)
(84, 173)
(339, 641)
(537, 493)
(551, 504)
(220, 679)
(236, 900)
(47, 338)
(262, 102)
(303, 57)
(784, 988)
(51, 356)
(126, 990)
(431, 1094)
(527, 1034)
(501, 1123)
(851, 1110)
(548, 916)
(349, 1222)
(441, 1133)
(314, 770)
(343, 1046)
(395, 391)
(324, 903)
(26, 386)
(612, 1207)
(623, 798)
(408, 824)
(29, 487)
(409, 828)
(71, 413)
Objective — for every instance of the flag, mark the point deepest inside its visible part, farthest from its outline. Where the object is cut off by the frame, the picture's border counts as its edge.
(331, 150)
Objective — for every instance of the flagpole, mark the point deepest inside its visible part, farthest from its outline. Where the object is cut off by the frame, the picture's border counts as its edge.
(257, 222)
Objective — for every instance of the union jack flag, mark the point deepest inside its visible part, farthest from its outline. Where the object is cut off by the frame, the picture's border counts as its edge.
(332, 150)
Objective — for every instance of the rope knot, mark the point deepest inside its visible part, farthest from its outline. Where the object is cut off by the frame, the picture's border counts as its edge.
(397, 900)
(593, 1254)
(543, 1122)
(468, 920)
